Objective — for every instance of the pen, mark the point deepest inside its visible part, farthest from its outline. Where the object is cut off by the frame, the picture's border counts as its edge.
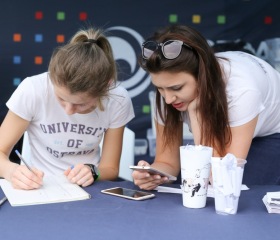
(3, 200)
(22, 159)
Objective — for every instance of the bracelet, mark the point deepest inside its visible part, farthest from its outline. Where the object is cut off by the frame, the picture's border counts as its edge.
(94, 171)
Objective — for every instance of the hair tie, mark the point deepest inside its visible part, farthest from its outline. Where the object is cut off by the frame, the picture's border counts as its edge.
(90, 41)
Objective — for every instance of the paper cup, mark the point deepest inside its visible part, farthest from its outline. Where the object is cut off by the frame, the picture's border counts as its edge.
(226, 200)
(195, 171)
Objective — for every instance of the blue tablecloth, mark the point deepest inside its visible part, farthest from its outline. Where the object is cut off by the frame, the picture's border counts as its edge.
(163, 217)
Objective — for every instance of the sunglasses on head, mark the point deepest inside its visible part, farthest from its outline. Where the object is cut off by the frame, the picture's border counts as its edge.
(171, 49)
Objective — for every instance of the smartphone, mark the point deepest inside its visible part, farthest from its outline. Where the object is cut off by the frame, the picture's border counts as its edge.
(153, 171)
(128, 193)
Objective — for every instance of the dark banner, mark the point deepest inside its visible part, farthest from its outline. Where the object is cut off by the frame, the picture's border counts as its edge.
(30, 30)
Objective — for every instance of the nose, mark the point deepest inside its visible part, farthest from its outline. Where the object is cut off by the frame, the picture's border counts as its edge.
(169, 98)
(69, 108)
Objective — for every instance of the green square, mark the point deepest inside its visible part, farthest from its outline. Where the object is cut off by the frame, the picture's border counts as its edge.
(173, 18)
(146, 108)
(221, 19)
(60, 15)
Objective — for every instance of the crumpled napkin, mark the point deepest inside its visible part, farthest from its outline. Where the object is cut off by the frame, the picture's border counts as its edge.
(228, 176)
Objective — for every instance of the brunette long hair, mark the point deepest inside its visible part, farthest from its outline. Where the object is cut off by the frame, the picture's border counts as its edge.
(200, 62)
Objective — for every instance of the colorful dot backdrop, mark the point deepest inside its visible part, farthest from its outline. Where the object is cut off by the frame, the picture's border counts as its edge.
(30, 30)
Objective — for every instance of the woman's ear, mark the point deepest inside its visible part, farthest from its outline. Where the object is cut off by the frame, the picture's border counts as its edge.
(110, 83)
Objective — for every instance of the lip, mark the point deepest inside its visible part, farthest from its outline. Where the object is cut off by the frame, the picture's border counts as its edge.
(178, 105)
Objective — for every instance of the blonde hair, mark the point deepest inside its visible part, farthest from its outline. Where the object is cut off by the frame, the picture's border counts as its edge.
(86, 64)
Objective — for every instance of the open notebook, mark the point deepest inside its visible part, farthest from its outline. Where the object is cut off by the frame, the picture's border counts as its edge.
(55, 189)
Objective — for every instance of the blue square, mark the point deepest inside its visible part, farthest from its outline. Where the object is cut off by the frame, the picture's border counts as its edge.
(17, 60)
(16, 81)
(38, 38)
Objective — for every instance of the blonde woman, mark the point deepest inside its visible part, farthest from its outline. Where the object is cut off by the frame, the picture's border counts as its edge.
(66, 111)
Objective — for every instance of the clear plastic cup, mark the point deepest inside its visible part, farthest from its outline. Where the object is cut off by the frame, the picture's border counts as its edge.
(227, 203)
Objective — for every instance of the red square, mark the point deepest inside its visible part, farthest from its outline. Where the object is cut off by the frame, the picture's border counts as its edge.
(38, 15)
(268, 20)
(83, 16)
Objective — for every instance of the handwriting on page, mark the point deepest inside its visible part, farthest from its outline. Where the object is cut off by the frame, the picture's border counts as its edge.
(55, 189)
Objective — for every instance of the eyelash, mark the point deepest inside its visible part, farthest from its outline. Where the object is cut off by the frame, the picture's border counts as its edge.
(173, 89)
(81, 105)
(177, 89)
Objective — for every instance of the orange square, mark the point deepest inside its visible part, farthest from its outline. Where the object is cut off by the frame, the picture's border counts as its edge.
(17, 37)
(60, 38)
(38, 60)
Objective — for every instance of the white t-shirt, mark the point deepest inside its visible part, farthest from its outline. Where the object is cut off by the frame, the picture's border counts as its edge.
(58, 140)
(252, 88)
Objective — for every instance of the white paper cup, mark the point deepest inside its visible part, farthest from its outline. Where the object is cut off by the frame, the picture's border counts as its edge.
(195, 171)
(226, 203)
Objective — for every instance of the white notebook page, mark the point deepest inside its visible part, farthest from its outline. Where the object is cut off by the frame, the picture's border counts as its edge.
(55, 189)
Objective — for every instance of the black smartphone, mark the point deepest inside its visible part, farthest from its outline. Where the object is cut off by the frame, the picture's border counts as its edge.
(153, 171)
(128, 193)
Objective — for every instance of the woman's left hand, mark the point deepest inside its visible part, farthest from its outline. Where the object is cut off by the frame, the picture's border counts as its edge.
(193, 105)
(79, 174)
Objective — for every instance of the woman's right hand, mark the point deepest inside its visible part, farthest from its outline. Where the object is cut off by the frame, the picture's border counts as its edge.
(145, 180)
(22, 178)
